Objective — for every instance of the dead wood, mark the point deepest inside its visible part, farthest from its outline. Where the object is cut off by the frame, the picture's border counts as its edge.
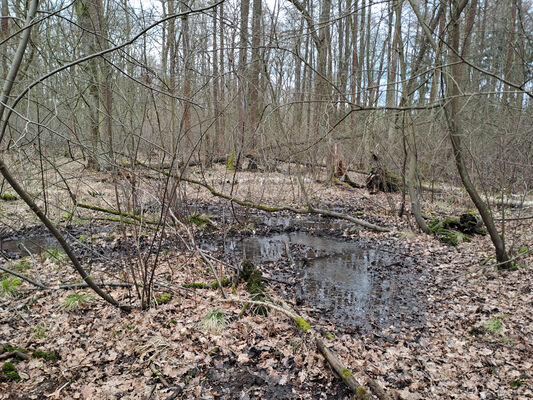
(351, 183)
(25, 278)
(14, 354)
(344, 373)
(101, 284)
(263, 207)
(380, 179)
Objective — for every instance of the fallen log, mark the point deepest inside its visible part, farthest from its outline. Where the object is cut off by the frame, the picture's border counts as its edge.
(263, 207)
(344, 373)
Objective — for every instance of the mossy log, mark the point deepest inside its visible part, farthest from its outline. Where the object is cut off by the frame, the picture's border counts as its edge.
(380, 179)
(263, 207)
(344, 373)
(471, 223)
(212, 285)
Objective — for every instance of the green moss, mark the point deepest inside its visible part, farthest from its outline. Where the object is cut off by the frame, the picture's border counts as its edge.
(230, 163)
(346, 373)
(516, 383)
(9, 197)
(213, 285)
(46, 355)
(201, 220)
(494, 325)
(361, 393)
(10, 372)
(302, 324)
(254, 285)
(441, 228)
(247, 268)
(328, 335)
(8, 348)
(163, 298)
(196, 285)
(224, 282)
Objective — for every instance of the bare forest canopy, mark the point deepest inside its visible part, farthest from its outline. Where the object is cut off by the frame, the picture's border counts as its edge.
(284, 80)
(427, 92)
(154, 114)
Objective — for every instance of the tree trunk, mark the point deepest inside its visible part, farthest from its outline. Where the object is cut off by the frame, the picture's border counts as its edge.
(187, 72)
(452, 107)
(255, 71)
(3, 35)
(243, 46)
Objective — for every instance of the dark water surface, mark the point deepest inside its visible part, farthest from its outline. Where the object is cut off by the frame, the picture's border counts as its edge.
(351, 285)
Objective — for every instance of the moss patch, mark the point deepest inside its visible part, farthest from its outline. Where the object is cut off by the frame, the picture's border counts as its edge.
(163, 298)
(302, 324)
(9, 197)
(442, 229)
(254, 284)
(46, 355)
(213, 285)
(362, 393)
(346, 373)
(202, 221)
(10, 372)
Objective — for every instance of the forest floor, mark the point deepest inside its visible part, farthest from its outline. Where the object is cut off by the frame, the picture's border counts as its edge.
(461, 329)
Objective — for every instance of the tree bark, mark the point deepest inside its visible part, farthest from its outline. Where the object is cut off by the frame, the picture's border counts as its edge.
(25, 196)
(455, 130)
(255, 71)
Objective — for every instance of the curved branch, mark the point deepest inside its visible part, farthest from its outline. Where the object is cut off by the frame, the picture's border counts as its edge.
(91, 56)
(14, 183)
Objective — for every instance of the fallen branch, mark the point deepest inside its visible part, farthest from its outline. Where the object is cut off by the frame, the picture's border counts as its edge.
(25, 278)
(344, 373)
(101, 284)
(14, 354)
(264, 207)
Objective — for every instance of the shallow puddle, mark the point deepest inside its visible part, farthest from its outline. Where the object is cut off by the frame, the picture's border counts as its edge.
(33, 244)
(350, 285)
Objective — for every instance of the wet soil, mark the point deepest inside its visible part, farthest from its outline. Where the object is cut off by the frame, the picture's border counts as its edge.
(321, 264)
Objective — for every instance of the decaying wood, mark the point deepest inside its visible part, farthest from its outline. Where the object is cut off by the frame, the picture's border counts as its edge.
(14, 354)
(344, 373)
(263, 207)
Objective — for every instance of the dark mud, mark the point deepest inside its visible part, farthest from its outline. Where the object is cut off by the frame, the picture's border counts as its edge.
(320, 263)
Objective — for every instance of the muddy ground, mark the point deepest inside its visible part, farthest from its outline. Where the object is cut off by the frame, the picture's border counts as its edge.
(423, 319)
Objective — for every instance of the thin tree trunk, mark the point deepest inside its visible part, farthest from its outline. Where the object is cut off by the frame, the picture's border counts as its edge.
(221, 135)
(243, 45)
(187, 72)
(15, 66)
(510, 51)
(255, 71)
(452, 107)
(216, 86)
(4, 34)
